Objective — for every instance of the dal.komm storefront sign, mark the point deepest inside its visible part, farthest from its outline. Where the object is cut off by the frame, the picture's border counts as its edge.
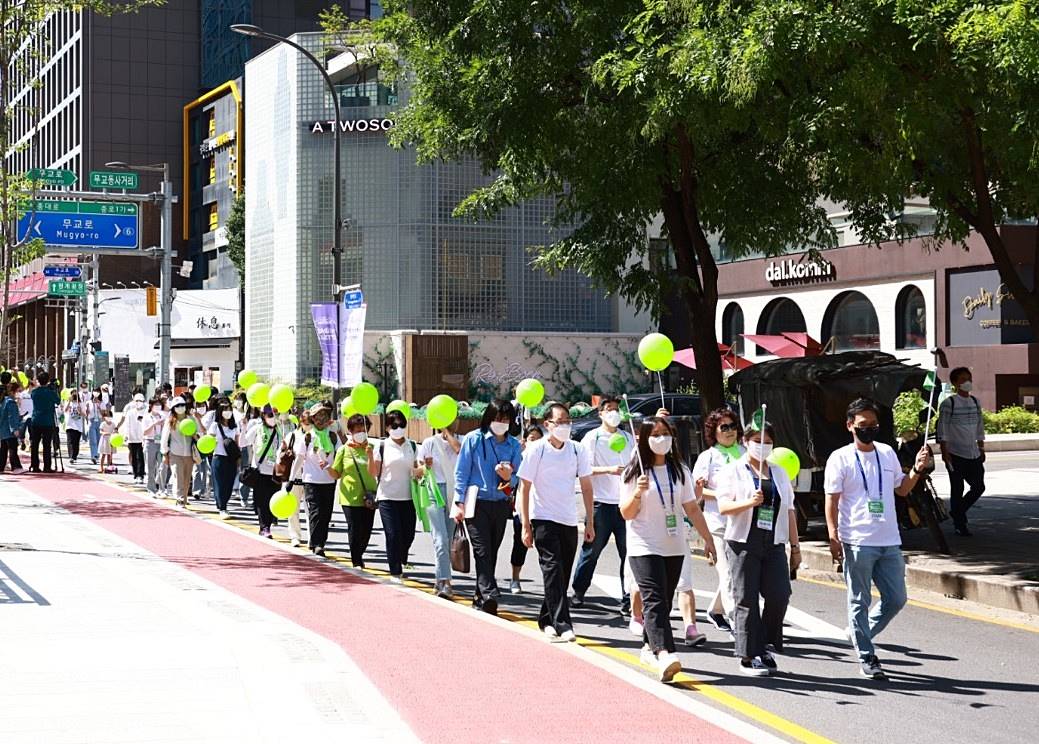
(352, 126)
(803, 270)
(983, 312)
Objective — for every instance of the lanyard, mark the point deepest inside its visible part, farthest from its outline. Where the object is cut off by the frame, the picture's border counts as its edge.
(880, 476)
(671, 487)
(758, 484)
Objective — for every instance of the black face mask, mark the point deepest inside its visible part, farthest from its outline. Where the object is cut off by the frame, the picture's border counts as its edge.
(867, 434)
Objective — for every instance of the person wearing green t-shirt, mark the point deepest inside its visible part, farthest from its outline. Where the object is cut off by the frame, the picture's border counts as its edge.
(356, 486)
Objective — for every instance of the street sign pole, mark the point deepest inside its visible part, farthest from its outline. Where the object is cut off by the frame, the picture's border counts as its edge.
(166, 301)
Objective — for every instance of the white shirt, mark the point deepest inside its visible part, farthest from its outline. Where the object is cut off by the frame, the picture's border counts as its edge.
(856, 525)
(309, 458)
(76, 415)
(960, 426)
(707, 466)
(133, 428)
(231, 432)
(397, 461)
(606, 489)
(24, 404)
(553, 473)
(647, 532)
(444, 459)
(736, 483)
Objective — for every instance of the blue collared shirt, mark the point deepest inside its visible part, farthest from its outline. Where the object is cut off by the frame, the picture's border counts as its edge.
(479, 456)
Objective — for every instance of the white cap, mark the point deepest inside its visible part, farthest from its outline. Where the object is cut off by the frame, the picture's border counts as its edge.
(178, 401)
(139, 398)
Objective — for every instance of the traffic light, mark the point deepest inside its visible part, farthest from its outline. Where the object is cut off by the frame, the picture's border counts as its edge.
(151, 295)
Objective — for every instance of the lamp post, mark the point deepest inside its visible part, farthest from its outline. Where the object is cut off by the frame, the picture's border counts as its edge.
(256, 32)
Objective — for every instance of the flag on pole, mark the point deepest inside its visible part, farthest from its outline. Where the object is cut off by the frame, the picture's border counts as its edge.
(930, 381)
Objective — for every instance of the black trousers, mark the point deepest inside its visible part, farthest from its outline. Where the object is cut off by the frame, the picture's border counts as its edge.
(657, 578)
(519, 550)
(758, 568)
(973, 472)
(360, 519)
(320, 502)
(9, 451)
(557, 547)
(486, 531)
(398, 525)
(136, 458)
(262, 501)
(73, 436)
(44, 434)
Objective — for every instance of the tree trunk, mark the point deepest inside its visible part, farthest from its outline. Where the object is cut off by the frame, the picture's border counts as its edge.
(708, 372)
(1028, 299)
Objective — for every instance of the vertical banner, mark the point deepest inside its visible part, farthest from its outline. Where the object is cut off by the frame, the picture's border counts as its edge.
(352, 366)
(324, 315)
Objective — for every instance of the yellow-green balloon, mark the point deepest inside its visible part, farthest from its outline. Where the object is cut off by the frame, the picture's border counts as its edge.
(347, 407)
(23, 379)
(441, 411)
(618, 442)
(117, 440)
(787, 459)
(284, 504)
(281, 397)
(365, 398)
(206, 444)
(65, 394)
(258, 394)
(247, 378)
(402, 406)
(294, 420)
(530, 392)
(203, 393)
(656, 351)
(187, 427)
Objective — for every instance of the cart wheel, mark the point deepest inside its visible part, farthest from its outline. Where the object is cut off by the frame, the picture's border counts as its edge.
(928, 506)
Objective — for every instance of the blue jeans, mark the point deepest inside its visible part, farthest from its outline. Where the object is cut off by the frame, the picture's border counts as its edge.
(866, 565)
(442, 528)
(94, 437)
(608, 521)
(224, 471)
(201, 480)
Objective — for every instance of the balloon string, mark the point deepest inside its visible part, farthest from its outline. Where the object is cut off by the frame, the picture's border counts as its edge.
(631, 425)
(761, 462)
(661, 381)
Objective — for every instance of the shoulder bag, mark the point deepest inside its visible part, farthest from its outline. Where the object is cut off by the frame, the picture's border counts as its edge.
(251, 476)
(231, 449)
(286, 456)
(369, 496)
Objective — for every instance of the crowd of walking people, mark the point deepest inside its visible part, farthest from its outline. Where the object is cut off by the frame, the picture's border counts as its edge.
(634, 485)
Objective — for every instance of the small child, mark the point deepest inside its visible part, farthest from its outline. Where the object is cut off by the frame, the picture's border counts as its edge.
(105, 449)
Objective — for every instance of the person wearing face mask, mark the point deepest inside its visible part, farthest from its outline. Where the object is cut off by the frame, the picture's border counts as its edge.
(94, 424)
(757, 501)
(861, 482)
(658, 490)
(153, 465)
(518, 557)
(394, 464)
(551, 468)
(133, 421)
(607, 469)
(263, 438)
(440, 453)
(485, 479)
(178, 451)
(960, 433)
(75, 410)
(357, 486)
(722, 433)
(315, 454)
(226, 455)
(204, 415)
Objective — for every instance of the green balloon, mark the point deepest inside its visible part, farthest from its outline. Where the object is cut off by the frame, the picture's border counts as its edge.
(441, 411)
(284, 504)
(258, 394)
(786, 459)
(347, 407)
(365, 398)
(281, 397)
(530, 392)
(203, 393)
(247, 378)
(117, 440)
(618, 442)
(656, 351)
(402, 406)
(206, 444)
(187, 427)
(294, 420)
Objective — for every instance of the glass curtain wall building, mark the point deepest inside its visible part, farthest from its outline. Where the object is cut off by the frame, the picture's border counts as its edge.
(419, 267)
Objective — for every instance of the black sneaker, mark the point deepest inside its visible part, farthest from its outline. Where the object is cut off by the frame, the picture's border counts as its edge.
(769, 661)
(963, 532)
(490, 606)
(870, 668)
(720, 622)
(576, 600)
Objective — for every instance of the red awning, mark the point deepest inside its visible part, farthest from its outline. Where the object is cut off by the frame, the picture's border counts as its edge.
(34, 286)
(730, 361)
(787, 345)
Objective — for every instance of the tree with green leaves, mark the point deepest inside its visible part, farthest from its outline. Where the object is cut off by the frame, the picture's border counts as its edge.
(622, 110)
(236, 236)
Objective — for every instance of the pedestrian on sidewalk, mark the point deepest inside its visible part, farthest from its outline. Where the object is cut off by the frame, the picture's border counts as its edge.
(226, 455)
(861, 481)
(153, 464)
(440, 454)
(658, 490)
(204, 415)
(723, 434)
(394, 464)
(76, 418)
(758, 503)
(105, 448)
(518, 556)
(133, 419)
(485, 482)
(178, 451)
(25, 412)
(10, 428)
(315, 454)
(961, 436)
(263, 439)
(94, 425)
(608, 465)
(357, 486)
(548, 473)
(45, 402)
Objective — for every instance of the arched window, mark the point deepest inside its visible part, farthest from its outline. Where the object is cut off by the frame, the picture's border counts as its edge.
(782, 315)
(910, 319)
(851, 322)
(732, 327)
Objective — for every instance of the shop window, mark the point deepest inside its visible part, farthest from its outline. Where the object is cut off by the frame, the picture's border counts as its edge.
(910, 319)
(782, 315)
(851, 322)
(732, 327)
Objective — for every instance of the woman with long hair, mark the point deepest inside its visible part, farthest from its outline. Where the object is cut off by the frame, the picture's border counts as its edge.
(10, 427)
(658, 492)
(226, 455)
(178, 451)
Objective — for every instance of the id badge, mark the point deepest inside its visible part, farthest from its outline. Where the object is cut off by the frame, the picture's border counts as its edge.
(876, 510)
(765, 515)
(671, 521)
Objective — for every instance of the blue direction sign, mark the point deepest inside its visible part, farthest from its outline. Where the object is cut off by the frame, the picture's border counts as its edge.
(353, 299)
(63, 271)
(84, 225)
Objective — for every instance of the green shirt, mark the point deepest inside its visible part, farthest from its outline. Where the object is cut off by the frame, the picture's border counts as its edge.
(354, 479)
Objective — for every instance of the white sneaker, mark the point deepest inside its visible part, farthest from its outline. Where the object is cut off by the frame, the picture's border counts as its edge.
(635, 627)
(668, 666)
(17, 471)
(549, 631)
(568, 636)
(756, 667)
(295, 543)
(647, 657)
(224, 514)
(514, 587)
(396, 579)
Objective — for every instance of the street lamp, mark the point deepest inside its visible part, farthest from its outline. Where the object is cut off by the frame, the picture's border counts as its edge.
(247, 29)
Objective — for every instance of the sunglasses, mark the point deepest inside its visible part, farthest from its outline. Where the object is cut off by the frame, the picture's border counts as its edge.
(727, 427)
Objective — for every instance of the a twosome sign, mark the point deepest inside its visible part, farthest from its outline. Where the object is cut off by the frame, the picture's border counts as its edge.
(800, 271)
(352, 126)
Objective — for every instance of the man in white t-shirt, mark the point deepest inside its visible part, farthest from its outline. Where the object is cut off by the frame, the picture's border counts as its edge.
(862, 480)
(608, 462)
(552, 465)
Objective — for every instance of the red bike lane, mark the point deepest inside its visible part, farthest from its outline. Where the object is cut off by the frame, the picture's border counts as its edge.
(451, 677)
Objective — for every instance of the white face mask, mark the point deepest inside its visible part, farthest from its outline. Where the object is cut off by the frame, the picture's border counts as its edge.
(238, 405)
(561, 432)
(967, 386)
(612, 419)
(283, 417)
(226, 414)
(179, 410)
(397, 433)
(139, 404)
(499, 428)
(660, 445)
(156, 409)
(270, 420)
(360, 437)
(759, 451)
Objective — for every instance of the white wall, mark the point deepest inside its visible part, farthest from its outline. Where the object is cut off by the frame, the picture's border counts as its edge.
(209, 358)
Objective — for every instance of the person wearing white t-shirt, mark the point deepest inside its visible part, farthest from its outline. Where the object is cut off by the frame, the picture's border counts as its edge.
(608, 462)
(315, 452)
(394, 464)
(440, 453)
(658, 491)
(862, 479)
(133, 419)
(552, 466)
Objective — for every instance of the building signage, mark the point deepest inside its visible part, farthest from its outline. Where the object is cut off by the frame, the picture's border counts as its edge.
(983, 312)
(52, 176)
(114, 180)
(213, 144)
(62, 271)
(66, 288)
(352, 126)
(800, 271)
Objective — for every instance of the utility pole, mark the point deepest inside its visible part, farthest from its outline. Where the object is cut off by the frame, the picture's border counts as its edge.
(166, 280)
